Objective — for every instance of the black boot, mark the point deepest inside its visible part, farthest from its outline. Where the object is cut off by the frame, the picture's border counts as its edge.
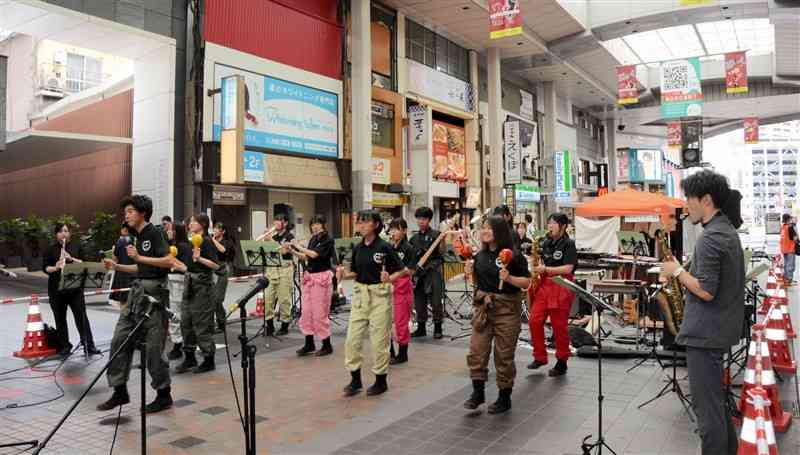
(284, 329)
(307, 348)
(437, 331)
(503, 403)
(379, 387)
(478, 396)
(402, 357)
(189, 362)
(535, 365)
(559, 370)
(355, 384)
(270, 328)
(91, 349)
(176, 352)
(118, 398)
(326, 348)
(420, 332)
(162, 402)
(207, 365)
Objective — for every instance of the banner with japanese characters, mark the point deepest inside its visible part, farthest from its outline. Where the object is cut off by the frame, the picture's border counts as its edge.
(674, 134)
(627, 85)
(505, 18)
(751, 130)
(736, 72)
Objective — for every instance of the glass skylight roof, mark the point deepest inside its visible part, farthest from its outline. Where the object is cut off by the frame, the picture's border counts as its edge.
(756, 36)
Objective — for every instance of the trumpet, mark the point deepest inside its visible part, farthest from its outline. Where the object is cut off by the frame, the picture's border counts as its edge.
(268, 233)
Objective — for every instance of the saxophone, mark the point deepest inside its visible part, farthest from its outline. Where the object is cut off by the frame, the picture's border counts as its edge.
(670, 299)
(533, 260)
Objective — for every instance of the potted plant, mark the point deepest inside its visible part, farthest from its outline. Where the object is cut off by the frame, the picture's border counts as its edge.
(101, 236)
(36, 232)
(11, 234)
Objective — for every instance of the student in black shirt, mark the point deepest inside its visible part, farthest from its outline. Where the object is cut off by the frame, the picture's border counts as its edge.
(226, 252)
(53, 263)
(147, 303)
(430, 282)
(177, 286)
(197, 311)
(403, 289)
(375, 266)
(497, 311)
(317, 287)
(504, 211)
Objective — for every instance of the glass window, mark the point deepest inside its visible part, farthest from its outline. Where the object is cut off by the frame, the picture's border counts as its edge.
(436, 51)
(382, 124)
(83, 72)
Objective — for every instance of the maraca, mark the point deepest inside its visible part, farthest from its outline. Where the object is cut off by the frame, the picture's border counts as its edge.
(505, 259)
(173, 251)
(197, 240)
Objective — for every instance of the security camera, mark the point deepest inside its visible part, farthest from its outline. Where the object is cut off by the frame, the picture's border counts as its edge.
(620, 127)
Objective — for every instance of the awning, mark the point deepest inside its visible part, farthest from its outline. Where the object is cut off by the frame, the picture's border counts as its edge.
(629, 202)
(33, 148)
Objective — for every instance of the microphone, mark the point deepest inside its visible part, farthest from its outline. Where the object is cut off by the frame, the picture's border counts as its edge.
(261, 284)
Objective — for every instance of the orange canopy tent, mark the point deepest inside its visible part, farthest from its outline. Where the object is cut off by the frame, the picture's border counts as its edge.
(628, 203)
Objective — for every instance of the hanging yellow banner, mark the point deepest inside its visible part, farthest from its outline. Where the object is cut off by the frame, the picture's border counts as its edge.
(696, 2)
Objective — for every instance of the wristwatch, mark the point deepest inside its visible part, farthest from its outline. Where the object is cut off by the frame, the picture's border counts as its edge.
(677, 272)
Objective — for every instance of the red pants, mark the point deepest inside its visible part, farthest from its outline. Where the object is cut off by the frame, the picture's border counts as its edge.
(403, 302)
(314, 317)
(556, 302)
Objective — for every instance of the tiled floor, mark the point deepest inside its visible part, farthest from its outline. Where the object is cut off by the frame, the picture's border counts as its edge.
(300, 409)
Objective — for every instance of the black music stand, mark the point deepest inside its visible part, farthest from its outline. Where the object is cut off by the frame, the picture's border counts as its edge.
(597, 306)
(654, 348)
(261, 255)
(75, 276)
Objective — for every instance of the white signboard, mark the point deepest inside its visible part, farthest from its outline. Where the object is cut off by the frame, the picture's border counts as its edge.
(439, 86)
(381, 171)
(526, 106)
(283, 115)
(513, 153)
(417, 126)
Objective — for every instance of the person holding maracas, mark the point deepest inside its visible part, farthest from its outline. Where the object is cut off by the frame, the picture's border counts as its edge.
(197, 312)
(499, 273)
(181, 249)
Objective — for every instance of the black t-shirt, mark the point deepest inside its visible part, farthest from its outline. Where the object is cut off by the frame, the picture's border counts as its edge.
(285, 237)
(322, 244)
(49, 259)
(369, 260)
(152, 244)
(559, 252)
(422, 241)
(407, 253)
(230, 251)
(487, 271)
(184, 254)
(121, 252)
(207, 251)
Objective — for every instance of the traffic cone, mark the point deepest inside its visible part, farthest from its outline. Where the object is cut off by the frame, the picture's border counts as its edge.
(787, 319)
(259, 308)
(772, 282)
(35, 342)
(778, 344)
(757, 436)
(759, 374)
(774, 297)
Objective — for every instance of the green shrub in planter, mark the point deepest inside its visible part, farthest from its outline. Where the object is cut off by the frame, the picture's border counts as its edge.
(11, 237)
(101, 236)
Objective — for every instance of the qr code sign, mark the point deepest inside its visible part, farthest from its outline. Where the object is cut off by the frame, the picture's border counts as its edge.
(674, 77)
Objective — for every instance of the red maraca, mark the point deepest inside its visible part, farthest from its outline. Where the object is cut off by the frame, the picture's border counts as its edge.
(505, 259)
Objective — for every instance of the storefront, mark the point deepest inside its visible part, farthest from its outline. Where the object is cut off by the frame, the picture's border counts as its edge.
(526, 201)
(388, 169)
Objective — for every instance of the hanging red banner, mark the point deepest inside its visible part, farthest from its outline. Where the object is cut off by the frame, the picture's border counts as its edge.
(674, 138)
(736, 72)
(449, 152)
(627, 85)
(505, 18)
(751, 130)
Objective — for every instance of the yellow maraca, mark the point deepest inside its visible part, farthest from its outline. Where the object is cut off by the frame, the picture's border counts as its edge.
(173, 251)
(197, 240)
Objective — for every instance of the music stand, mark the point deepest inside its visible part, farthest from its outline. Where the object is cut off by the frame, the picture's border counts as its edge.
(260, 255)
(74, 277)
(597, 306)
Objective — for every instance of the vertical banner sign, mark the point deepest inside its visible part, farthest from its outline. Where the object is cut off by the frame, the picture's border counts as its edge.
(526, 105)
(513, 153)
(681, 93)
(751, 130)
(627, 85)
(449, 152)
(674, 134)
(253, 167)
(736, 72)
(505, 18)
(563, 175)
(228, 113)
(623, 165)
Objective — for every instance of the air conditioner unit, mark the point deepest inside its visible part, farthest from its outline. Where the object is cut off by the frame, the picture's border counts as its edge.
(53, 81)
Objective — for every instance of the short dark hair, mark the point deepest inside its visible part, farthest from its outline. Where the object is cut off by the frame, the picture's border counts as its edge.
(501, 210)
(398, 223)
(318, 219)
(374, 216)
(141, 203)
(181, 236)
(528, 218)
(166, 218)
(204, 221)
(501, 232)
(281, 217)
(424, 212)
(786, 218)
(58, 226)
(558, 217)
(707, 182)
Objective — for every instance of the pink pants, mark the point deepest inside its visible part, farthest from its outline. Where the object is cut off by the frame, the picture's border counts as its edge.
(317, 289)
(403, 301)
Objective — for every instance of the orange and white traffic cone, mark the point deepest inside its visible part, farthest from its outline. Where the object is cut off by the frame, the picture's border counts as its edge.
(259, 308)
(787, 319)
(775, 334)
(774, 297)
(757, 436)
(772, 282)
(759, 374)
(35, 342)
